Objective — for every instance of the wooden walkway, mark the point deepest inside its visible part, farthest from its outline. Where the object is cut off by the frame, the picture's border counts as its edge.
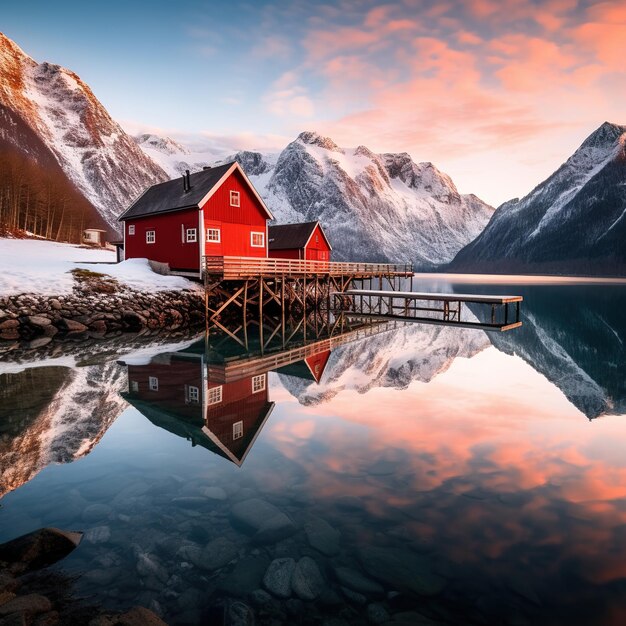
(250, 268)
(431, 308)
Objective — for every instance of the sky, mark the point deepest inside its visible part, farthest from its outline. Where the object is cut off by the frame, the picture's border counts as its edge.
(496, 93)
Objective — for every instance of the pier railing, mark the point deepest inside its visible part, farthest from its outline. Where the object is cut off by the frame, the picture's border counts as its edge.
(237, 268)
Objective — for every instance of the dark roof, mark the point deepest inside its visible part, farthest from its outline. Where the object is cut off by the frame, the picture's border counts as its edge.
(171, 195)
(289, 236)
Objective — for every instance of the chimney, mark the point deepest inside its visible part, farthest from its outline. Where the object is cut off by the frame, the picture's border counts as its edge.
(185, 184)
(188, 181)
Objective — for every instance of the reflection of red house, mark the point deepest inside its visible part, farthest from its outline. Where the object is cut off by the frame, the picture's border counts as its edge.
(171, 381)
(215, 212)
(235, 414)
(224, 418)
(298, 241)
(310, 368)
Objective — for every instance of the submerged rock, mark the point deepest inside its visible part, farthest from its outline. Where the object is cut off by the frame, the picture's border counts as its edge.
(148, 566)
(39, 548)
(139, 616)
(96, 512)
(377, 613)
(277, 578)
(307, 581)
(357, 582)
(402, 569)
(218, 553)
(32, 604)
(262, 519)
(246, 576)
(322, 536)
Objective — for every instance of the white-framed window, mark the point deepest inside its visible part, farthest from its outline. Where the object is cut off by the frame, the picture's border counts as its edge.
(131, 229)
(192, 394)
(192, 235)
(153, 383)
(258, 383)
(257, 240)
(238, 430)
(150, 236)
(134, 386)
(317, 238)
(214, 395)
(213, 235)
(235, 200)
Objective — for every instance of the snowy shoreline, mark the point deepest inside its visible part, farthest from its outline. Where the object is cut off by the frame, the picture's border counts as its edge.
(39, 267)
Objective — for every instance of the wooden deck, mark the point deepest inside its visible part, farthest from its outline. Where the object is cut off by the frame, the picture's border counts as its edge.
(250, 268)
(431, 308)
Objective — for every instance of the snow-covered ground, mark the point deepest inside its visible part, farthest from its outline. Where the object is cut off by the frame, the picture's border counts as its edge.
(43, 267)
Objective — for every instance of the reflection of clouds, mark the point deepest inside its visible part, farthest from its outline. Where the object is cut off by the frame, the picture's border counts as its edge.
(489, 458)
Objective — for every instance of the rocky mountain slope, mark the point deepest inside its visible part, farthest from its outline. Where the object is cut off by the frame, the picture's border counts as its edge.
(60, 113)
(375, 207)
(573, 222)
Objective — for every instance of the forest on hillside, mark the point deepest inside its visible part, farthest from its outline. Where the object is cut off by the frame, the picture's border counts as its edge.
(40, 200)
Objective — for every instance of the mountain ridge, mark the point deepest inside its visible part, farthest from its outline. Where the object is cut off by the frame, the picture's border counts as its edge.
(572, 222)
(97, 156)
(375, 207)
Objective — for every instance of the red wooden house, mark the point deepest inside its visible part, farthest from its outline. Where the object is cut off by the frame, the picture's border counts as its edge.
(215, 212)
(298, 241)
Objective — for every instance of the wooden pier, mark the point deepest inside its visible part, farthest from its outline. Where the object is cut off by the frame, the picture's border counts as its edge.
(266, 291)
(431, 308)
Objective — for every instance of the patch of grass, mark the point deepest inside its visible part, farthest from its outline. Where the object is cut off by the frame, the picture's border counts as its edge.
(81, 273)
(94, 282)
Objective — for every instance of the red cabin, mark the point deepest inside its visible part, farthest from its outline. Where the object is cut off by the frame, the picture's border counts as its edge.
(299, 241)
(215, 212)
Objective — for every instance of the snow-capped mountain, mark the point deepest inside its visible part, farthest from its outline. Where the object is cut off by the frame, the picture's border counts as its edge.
(573, 222)
(62, 112)
(375, 207)
(174, 157)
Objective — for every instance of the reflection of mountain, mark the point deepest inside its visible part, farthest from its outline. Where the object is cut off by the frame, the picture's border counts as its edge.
(394, 359)
(576, 338)
(53, 415)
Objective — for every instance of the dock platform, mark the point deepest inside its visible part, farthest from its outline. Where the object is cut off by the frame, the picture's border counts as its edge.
(250, 268)
(432, 308)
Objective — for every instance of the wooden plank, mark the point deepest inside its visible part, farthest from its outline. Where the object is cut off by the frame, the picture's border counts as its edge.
(443, 297)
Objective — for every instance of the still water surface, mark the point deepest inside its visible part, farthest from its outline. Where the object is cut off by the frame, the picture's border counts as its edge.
(424, 474)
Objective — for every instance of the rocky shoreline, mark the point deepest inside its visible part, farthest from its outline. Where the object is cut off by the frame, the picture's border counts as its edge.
(34, 321)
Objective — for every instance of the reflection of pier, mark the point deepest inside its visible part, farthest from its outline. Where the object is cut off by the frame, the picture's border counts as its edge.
(432, 308)
(220, 400)
(342, 331)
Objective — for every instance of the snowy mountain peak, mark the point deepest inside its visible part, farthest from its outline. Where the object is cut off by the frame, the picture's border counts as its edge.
(166, 145)
(8, 48)
(606, 136)
(423, 176)
(95, 154)
(573, 222)
(314, 139)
